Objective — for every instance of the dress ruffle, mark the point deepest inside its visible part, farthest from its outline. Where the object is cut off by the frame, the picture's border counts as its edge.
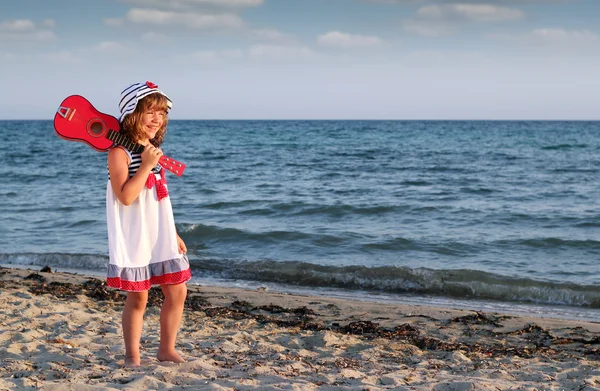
(138, 279)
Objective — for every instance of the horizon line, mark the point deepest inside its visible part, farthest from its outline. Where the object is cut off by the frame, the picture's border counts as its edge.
(349, 119)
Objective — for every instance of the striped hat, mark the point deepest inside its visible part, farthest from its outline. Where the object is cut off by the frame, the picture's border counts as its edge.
(133, 93)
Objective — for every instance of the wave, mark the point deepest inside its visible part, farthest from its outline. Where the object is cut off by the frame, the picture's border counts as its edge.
(549, 243)
(84, 262)
(563, 146)
(458, 284)
(455, 284)
(354, 243)
(365, 244)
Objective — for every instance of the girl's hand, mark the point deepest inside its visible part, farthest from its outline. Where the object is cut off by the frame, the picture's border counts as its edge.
(181, 245)
(151, 155)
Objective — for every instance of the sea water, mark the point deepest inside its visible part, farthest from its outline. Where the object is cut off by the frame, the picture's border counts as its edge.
(494, 215)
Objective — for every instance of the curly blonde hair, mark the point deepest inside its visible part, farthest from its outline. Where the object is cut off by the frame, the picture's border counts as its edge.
(132, 124)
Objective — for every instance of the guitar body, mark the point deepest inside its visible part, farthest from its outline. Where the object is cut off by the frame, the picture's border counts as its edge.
(78, 120)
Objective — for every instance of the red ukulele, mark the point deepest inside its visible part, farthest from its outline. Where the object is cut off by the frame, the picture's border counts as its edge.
(77, 120)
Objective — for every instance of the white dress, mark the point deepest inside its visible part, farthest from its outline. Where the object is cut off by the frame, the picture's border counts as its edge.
(142, 239)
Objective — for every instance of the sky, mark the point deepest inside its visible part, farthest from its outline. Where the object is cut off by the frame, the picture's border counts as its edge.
(307, 59)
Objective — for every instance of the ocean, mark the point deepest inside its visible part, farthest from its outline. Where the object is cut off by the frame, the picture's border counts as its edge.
(488, 215)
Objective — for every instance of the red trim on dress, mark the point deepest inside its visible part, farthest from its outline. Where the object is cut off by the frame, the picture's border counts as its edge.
(139, 286)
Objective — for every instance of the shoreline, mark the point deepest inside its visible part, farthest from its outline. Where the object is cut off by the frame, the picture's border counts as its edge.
(63, 329)
(558, 311)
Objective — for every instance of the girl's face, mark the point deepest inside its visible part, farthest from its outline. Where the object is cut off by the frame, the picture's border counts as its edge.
(152, 120)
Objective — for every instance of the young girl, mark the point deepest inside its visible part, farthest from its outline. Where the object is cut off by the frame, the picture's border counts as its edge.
(144, 246)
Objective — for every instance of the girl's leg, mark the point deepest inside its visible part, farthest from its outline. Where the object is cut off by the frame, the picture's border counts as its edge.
(170, 318)
(132, 320)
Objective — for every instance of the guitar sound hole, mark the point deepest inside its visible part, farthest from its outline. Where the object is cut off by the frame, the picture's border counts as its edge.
(96, 128)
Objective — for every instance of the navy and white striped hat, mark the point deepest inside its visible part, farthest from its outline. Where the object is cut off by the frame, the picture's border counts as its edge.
(133, 93)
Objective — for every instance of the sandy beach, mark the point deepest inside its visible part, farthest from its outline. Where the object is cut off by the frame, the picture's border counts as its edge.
(61, 331)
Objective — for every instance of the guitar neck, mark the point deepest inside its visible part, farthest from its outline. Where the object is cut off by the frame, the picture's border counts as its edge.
(170, 164)
(120, 139)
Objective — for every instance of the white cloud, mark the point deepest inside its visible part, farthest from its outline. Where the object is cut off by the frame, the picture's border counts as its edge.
(17, 25)
(191, 20)
(393, 1)
(186, 4)
(50, 23)
(447, 59)
(25, 30)
(259, 53)
(469, 12)
(345, 40)
(441, 20)
(562, 35)
(428, 28)
(515, 2)
(111, 47)
(552, 37)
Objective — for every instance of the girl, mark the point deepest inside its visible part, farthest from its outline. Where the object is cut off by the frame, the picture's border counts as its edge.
(144, 246)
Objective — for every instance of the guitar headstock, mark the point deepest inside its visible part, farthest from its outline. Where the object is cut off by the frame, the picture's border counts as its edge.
(172, 165)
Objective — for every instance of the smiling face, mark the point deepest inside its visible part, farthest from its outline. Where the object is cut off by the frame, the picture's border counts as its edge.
(152, 121)
(149, 120)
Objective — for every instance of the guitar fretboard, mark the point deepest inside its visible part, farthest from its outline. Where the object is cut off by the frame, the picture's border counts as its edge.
(169, 163)
(120, 139)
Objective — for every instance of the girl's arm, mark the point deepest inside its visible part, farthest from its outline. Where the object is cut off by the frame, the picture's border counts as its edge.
(128, 189)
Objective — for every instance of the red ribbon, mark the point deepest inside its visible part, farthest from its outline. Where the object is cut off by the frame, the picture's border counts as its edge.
(161, 188)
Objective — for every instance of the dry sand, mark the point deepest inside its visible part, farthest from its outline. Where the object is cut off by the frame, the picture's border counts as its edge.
(61, 331)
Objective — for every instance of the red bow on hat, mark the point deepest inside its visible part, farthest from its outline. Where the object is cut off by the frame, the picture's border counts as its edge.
(151, 85)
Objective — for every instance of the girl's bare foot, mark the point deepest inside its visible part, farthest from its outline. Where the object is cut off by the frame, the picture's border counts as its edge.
(171, 356)
(132, 362)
